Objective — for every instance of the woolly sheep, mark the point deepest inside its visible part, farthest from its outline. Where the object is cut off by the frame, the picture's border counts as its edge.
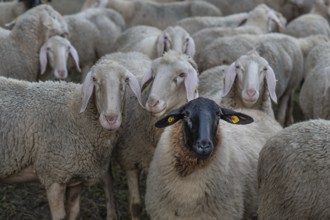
(57, 50)
(169, 82)
(205, 170)
(154, 42)
(19, 50)
(250, 83)
(293, 173)
(283, 53)
(197, 23)
(73, 149)
(160, 15)
(260, 20)
(93, 32)
(9, 11)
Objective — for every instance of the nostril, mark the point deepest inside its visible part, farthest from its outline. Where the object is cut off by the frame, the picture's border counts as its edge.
(251, 92)
(61, 73)
(204, 144)
(111, 119)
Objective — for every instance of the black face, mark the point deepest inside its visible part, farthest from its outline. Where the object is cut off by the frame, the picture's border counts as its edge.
(201, 118)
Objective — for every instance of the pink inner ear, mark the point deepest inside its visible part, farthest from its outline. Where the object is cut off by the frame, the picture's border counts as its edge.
(190, 47)
(43, 58)
(160, 45)
(191, 84)
(271, 83)
(75, 56)
(87, 90)
(229, 79)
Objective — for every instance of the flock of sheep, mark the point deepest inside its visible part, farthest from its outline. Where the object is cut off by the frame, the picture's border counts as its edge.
(208, 115)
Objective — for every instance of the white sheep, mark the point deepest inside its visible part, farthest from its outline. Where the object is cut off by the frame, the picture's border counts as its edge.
(170, 81)
(9, 11)
(19, 50)
(293, 173)
(283, 53)
(250, 83)
(154, 42)
(92, 33)
(57, 50)
(62, 134)
(197, 23)
(160, 15)
(203, 169)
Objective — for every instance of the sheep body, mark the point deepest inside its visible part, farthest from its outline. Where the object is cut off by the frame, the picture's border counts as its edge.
(293, 173)
(229, 193)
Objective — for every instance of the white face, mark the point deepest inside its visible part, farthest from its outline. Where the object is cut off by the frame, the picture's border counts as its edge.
(58, 53)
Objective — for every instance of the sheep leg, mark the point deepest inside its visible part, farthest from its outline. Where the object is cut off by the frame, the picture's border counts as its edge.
(282, 109)
(135, 204)
(73, 202)
(289, 112)
(108, 189)
(56, 198)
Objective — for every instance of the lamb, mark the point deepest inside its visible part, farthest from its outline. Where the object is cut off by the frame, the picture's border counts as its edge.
(293, 173)
(57, 49)
(99, 28)
(9, 11)
(197, 23)
(205, 170)
(19, 50)
(73, 148)
(250, 83)
(160, 15)
(260, 20)
(170, 81)
(154, 42)
(283, 53)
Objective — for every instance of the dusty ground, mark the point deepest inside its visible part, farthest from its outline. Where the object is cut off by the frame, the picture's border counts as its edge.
(28, 201)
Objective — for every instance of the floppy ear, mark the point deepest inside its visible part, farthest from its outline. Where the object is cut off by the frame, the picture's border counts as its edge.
(171, 118)
(191, 84)
(147, 79)
(272, 16)
(50, 22)
(189, 47)
(43, 58)
(87, 90)
(229, 79)
(75, 56)
(234, 117)
(271, 83)
(135, 87)
(162, 44)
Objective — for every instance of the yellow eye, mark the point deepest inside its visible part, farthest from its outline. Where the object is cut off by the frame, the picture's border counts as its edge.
(234, 119)
(170, 119)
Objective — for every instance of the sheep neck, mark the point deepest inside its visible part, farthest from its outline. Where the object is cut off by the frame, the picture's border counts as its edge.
(185, 160)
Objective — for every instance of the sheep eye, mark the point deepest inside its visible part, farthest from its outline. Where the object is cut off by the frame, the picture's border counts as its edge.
(68, 48)
(265, 69)
(127, 80)
(182, 75)
(94, 79)
(237, 67)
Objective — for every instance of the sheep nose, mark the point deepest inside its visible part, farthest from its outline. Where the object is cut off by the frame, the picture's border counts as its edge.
(204, 149)
(204, 144)
(153, 101)
(111, 118)
(251, 92)
(61, 73)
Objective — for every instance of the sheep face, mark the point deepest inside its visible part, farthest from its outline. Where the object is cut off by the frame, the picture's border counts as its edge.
(201, 118)
(250, 71)
(174, 81)
(108, 81)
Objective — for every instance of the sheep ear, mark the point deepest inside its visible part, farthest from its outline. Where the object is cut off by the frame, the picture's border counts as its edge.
(189, 47)
(272, 16)
(229, 78)
(161, 45)
(234, 117)
(171, 118)
(87, 90)
(191, 84)
(135, 87)
(271, 83)
(75, 56)
(51, 23)
(43, 58)
(147, 79)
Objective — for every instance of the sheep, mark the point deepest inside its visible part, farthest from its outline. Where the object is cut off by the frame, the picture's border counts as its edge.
(154, 42)
(197, 23)
(315, 22)
(205, 170)
(321, 7)
(57, 49)
(99, 28)
(9, 11)
(160, 15)
(283, 53)
(79, 124)
(19, 50)
(293, 173)
(260, 20)
(306, 44)
(250, 83)
(170, 81)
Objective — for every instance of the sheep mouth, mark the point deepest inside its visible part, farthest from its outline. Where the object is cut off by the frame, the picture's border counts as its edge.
(109, 125)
